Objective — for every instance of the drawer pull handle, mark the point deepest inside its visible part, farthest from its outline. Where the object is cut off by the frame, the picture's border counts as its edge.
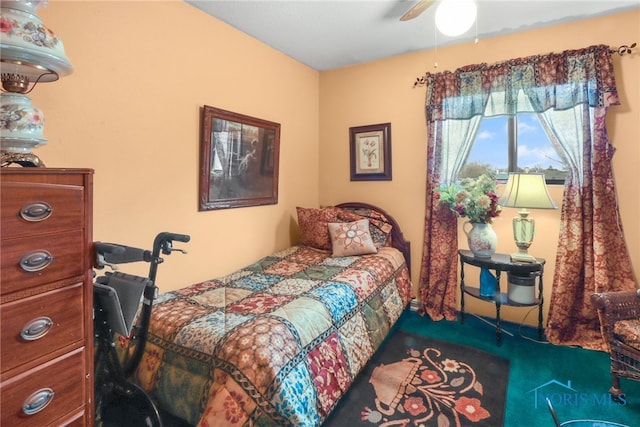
(36, 261)
(37, 211)
(37, 401)
(36, 329)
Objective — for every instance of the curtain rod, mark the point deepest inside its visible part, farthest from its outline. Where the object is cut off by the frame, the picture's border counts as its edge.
(621, 50)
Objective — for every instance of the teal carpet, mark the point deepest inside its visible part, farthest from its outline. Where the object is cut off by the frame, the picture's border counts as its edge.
(575, 380)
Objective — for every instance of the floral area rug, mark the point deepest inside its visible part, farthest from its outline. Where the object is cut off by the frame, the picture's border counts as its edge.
(416, 381)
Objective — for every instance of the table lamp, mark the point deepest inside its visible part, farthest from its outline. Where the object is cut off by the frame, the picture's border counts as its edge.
(30, 53)
(525, 191)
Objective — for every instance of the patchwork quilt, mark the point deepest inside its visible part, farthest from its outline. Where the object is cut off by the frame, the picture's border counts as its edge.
(276, 343)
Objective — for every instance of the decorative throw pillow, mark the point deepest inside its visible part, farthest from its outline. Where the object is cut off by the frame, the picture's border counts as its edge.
(379, 225)
(313, 226)
(351, 238)
(628, 331)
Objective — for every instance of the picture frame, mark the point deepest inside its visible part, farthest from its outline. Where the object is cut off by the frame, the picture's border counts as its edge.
(239, 160)
(370, 152)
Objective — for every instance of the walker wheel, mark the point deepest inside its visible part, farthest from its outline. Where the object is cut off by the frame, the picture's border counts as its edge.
(133, 410)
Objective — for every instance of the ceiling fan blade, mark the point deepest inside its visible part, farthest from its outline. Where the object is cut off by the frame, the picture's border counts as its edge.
(417, 9)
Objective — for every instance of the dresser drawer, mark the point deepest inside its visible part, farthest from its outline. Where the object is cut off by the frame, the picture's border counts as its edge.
(59, 382)
(33, 208)
(35, 326)
(76, 420)
(51, 257)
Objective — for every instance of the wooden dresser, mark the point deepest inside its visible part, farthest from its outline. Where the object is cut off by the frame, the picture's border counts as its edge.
(46, 297)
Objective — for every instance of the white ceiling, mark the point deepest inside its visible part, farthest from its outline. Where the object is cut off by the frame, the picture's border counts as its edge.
(327, 34)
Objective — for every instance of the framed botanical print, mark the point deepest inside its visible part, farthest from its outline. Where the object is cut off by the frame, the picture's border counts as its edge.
(370, 152)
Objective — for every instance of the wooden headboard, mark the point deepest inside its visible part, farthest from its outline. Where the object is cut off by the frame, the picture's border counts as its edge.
(397, 238)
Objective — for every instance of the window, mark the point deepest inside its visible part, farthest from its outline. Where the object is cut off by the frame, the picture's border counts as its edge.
(513, 144)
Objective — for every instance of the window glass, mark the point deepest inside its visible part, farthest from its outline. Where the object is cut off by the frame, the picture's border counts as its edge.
(490, 151)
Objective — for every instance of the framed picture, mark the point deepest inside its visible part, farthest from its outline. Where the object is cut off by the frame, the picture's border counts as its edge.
(370, 149)
(238, 160)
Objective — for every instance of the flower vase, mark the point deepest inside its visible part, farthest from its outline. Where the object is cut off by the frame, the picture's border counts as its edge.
(481, 238)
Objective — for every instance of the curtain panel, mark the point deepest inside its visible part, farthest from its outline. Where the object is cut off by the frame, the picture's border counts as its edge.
(592, 254)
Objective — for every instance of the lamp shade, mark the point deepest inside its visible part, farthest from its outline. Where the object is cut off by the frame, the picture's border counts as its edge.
(455, 17)
(28, 49)
(527, 190)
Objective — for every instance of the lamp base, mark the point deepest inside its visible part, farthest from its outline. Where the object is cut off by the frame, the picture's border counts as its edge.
(23, 159)
(522, 257)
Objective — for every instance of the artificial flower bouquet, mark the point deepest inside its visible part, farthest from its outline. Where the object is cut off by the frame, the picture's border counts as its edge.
(475, 199)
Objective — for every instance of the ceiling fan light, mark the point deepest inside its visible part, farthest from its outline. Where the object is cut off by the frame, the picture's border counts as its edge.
(455, 17)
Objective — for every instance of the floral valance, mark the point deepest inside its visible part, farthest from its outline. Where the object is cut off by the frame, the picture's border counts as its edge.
(532, 84)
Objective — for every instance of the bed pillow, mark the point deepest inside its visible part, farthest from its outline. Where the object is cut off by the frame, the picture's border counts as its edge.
(313, 226)
(379, 225)
(351, 238)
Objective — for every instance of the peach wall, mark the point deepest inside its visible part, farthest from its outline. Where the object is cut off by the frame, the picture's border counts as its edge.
(143, 69)
(382, 91)
(130, 110)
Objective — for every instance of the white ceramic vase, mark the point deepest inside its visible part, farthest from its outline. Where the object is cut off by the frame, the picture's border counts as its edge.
(481, 238)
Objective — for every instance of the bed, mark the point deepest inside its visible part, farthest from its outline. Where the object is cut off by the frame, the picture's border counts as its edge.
(277, 343)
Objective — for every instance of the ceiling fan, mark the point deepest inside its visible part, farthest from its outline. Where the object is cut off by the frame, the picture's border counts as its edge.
(417, 9)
